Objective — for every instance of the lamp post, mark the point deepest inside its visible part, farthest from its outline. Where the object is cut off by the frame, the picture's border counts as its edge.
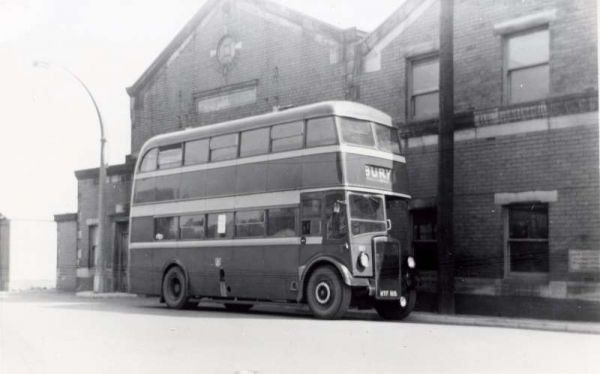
(99, 253)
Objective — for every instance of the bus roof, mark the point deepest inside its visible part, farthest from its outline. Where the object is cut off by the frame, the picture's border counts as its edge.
(339, 108)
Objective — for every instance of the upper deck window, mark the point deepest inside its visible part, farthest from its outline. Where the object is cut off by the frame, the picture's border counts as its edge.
(223, 147)
(196, 152)
(387, 139)
(149, 161)
(287, 137)
(320, 131)
(170, 156)
(357, 132)
(254, 142)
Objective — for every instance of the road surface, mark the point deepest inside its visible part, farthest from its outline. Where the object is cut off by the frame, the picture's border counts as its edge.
(58, 333)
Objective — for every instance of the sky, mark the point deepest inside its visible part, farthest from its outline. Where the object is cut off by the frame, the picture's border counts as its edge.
(48, 126)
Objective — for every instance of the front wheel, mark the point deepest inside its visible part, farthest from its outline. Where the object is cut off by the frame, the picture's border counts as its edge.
(327, 295)
(392, 310)
(175, 289)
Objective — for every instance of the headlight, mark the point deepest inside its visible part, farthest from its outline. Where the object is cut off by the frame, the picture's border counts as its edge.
(411, 262)
(363, 260)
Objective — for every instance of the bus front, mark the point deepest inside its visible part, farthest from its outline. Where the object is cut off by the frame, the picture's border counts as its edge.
(376, 202)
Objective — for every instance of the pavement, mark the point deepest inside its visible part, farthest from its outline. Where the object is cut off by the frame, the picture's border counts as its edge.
(414, 317)
(52, 332)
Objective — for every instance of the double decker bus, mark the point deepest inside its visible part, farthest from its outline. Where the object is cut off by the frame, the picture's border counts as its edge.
(291, 206)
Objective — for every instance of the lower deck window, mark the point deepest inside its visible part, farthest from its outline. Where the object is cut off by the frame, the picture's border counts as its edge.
(250, 223)
(165, 228)
(282, 222)
(527, 241)
(192, 227)
(219, 226)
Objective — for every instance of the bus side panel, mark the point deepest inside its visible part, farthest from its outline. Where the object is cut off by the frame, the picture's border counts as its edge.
(336, 251)
(281, 269)
(245, 274)
(322, 170)
(284, 174)
(144, 278)
(200, 266)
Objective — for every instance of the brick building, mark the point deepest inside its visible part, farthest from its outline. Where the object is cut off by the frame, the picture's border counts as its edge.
(527, 195)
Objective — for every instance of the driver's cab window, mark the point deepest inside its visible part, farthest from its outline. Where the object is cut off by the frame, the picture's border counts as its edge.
(336, 221)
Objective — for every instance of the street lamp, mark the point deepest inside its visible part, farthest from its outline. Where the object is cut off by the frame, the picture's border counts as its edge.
(99, 253)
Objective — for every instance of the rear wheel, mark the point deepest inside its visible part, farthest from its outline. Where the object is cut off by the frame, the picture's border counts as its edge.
(327, 295)
(239, 308)
(175, 289)
(392, 310)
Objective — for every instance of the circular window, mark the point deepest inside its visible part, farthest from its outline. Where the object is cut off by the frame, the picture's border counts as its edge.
(226, 50)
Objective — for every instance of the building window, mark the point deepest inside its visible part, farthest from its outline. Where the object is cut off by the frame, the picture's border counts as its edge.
(527, 241)
(223, 147)
(93, 244)
(226, 100)
(287, 137)
(170, 156)
(424, 83)
(254, 142)
(250, 223)
(424, 241)
(527, 67)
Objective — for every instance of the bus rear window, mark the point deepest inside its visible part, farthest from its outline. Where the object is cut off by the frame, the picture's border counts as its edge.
(357, 132)
(387, 139)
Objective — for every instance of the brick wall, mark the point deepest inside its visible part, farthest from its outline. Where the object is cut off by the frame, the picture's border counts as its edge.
(479, 53)
(66, 275)
(117, 192)
(291, 62)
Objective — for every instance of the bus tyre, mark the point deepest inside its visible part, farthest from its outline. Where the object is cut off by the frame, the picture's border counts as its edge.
(175, 289)
(327, 295)
(238, 308)
(392, 310)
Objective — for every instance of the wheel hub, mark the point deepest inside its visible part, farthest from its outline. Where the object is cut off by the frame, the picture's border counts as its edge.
(322, 293)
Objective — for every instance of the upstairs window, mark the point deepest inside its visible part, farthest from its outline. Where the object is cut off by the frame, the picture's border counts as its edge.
(254, 142)
(223, 147)
(424, 79)
(527, 66)
(287, 137)
(320, 131)
(357, 132)
(149, 161)
(387, 139)
(527, 242)
(170, 156)
(196, 152)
